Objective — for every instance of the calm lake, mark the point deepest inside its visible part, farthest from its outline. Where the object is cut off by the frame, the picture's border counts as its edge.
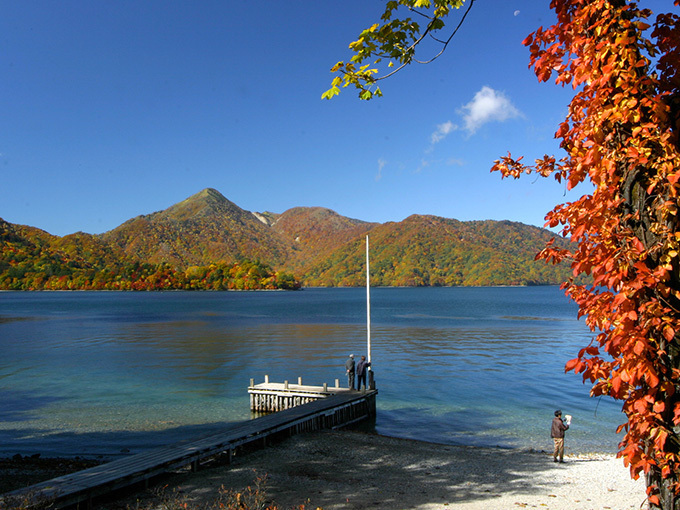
(101, 373)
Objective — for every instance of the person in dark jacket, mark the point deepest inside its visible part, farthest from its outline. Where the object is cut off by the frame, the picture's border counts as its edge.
(362, 366)
(557, 433)
(349, 367)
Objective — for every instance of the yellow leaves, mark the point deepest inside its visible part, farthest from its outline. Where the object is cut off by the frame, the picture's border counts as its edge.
(624, 40)
(668, 257)
(333, 91)
(356, 45)
(395, 39)
(670, 207)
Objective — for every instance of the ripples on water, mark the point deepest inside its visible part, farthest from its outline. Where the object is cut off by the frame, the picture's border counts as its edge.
(86, 373)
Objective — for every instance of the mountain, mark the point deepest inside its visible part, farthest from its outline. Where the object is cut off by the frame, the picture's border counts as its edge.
(206, 241)
(434, 251)
(202, 229)
(317, 232)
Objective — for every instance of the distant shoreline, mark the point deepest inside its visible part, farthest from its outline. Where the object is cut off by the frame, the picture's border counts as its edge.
(290, 290)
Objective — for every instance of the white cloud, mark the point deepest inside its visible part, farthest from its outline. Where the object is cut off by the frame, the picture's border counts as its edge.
(423, 165)
(488, 105)
(455, 162)
(381, 164)
(442, 131)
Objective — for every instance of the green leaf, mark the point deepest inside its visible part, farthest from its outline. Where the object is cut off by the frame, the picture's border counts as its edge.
(366, 95)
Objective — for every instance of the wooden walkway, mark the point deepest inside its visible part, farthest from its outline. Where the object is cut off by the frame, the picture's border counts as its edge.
(274, 397)
(335, 411)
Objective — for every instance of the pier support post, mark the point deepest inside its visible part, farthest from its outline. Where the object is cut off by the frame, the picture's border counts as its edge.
(371, 380)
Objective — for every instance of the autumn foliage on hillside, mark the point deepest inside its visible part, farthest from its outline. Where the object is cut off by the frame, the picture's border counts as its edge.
(194, 243)
(33, 260)
(430, 251)
(202, 229)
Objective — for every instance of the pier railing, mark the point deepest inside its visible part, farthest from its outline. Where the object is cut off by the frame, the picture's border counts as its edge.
(269, 397)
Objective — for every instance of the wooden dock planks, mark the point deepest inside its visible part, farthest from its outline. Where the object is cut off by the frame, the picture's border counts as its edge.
(335, 411)
(274, 397)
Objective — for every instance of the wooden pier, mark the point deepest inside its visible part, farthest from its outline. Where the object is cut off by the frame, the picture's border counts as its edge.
(268, 397)
(338, 408)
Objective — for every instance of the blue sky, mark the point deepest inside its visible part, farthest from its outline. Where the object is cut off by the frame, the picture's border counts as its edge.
(109, 110)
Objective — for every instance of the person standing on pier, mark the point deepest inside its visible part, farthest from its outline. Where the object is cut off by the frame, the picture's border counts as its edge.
(349, 366)
(362, 366)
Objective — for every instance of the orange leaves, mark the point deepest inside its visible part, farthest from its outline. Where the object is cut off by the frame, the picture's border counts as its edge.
(659, 435)
(576, 365)
(651, 376)
(668, 332)
(653, 498)
(620, 134)
(659, 407)
(616, 385)
(509, 167)
(676, 414)
(591, 350)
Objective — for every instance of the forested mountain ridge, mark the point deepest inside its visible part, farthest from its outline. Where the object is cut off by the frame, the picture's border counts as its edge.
(317, 232)
(208, 242)
(200, 230)
(435, 251)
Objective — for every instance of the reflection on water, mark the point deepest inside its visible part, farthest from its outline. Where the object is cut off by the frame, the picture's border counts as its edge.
(103, 372)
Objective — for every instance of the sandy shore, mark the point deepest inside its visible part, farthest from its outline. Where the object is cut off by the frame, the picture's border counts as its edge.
(353, 470)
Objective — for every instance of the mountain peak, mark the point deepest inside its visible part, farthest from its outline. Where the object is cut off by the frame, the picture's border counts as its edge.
(204, 203)
(208, 193)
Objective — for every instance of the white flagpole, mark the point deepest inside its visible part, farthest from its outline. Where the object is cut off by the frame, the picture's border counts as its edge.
(368, 303)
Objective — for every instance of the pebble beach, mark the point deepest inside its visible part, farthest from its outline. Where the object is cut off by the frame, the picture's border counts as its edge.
(353, 470)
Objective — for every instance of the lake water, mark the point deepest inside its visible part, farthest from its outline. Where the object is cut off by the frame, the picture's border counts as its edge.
(100, 373)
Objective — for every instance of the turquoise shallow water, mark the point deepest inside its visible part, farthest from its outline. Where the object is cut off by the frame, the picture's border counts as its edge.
(90, 373)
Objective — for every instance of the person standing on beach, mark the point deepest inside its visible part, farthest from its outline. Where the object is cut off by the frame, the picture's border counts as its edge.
(557, 433)
(349, 366)
(362, 366)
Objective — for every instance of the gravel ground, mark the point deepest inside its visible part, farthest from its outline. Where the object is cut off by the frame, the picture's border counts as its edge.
(352, 470)
(18, 472)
